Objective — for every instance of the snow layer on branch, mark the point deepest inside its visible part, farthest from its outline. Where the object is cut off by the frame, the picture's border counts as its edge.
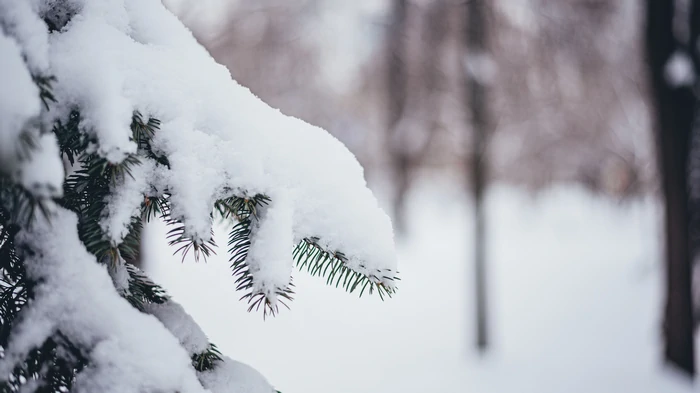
(125, 201)
(118, 56)
(180, 324)
(230, 376)
(129, 351)
(269, 256)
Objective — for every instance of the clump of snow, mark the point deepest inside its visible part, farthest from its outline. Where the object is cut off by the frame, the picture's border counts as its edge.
(269, 256)
(20, 20)
(230, 376)
(180, 324)
(42, 172)
(124, 201)
(120, 276)
(679, 70)
(129, 351)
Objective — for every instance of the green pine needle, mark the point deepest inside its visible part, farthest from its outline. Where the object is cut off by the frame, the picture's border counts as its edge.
(207, 360)
(333, 266)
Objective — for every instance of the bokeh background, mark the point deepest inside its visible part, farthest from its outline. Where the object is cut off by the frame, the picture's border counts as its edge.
(550, 114)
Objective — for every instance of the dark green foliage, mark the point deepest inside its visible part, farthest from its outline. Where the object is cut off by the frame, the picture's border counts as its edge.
(13, 284)
(44, 85)
(206, 360)
(71, 141)
(19, 204)
(142, 290)
(177, 236)
(52, 367)
(333, 265)
(244, 211)
(143, 132)
(86, 189)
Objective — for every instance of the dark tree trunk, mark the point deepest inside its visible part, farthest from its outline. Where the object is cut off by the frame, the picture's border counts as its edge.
(476, 91)
(675, 113)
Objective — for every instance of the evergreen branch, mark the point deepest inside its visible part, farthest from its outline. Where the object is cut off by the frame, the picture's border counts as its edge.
(142, 134)
(333, 265)
(206, 360)
(51, 368)
(153, 207)
(130, 246)
(14, 287)
(20, 204)
(45, 92)
(142, 290)
(86, 191)
(245, 210)
(71, 141)
(178, 237)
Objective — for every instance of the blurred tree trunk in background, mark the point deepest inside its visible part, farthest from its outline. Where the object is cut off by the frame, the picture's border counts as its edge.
(397, 91)
(672, 57)
(477, 63)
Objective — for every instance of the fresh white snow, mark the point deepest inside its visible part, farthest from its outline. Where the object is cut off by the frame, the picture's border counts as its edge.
(575, 295)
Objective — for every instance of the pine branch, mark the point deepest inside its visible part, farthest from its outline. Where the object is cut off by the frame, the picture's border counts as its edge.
(177, 236)
(71, 141)
(45, 92)
(20, 205)
(206, 360)
(245, 210)
(86, 191)
(142, 290)
(53, 366)
(153, 207)
(14, 287)
(142, 134)
(50, 368)
(333, 265)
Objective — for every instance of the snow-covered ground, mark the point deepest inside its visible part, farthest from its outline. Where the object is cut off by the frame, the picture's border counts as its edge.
(575, 303)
